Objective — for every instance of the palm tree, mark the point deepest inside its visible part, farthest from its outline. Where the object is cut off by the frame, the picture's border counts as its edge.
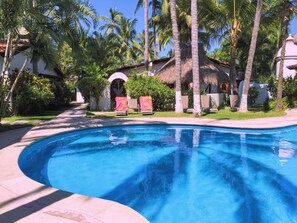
(138, 46)
(234, 32)
(287, 8)
(59, 20)
(102, 50)
(156, 8)
(224, 19)
(248, 71)
(195, 59)
(146, 35)
(177, 56)
(125, 34)
(112, 22)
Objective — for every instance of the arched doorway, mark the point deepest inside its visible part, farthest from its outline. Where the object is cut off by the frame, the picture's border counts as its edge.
(114, 88)
(117, 89)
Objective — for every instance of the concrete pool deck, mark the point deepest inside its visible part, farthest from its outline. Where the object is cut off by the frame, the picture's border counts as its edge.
(24, 200)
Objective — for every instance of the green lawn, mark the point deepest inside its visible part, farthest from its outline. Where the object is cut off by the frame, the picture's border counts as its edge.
(221, 114)
(235, 115)
(11, 123)
(25, 121)
(162, 114)
(33, 119)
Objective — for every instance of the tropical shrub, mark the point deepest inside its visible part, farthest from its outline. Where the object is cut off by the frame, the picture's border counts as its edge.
(142, 85)
(289, 91)
(32, 94)
(62, 93)
(4, 106)
(252, 96)
(92, 86)
(272, 104)
(6, 110)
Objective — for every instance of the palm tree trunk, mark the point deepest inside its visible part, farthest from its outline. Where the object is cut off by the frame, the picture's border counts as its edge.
(177, 56)
(146, 35)
(195, 59)
(9, 54)
(234, 89)
(280, 78)
(154, 28)
(35, 67)
(235, 30)
(10, 93)
(284, 33)
(249, 66)
(6, 55)
(3, 81)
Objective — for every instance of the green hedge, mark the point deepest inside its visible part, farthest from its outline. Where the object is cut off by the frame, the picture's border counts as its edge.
(142, 85)
(289, 91)
(34, 94)
(62, 94)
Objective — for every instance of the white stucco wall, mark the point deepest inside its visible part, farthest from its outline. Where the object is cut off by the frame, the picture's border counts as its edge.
(19, 60)
(217, 99)
(79, 97)
(262, 88)
(290, 58)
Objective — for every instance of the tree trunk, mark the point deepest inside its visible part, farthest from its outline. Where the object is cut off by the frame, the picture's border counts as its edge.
(234, 89)
(154, 28)
(3, 82)
(285, 13)
(279, 97)
(9, 95)
(97, 103)
(195, 59)
(235, 29)
(146, 35)
(8, 56)
(249, 66)
(35, 67)
(177, 56)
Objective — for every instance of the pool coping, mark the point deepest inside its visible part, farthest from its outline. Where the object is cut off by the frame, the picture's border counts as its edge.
(24, 200)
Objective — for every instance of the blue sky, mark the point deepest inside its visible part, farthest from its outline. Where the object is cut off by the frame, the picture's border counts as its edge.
(127, 7)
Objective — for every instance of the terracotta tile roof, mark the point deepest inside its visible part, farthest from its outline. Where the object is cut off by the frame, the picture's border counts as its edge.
(292, 67)
(23, 45)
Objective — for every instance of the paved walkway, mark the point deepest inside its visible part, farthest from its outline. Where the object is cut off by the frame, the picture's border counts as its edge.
(24, 200)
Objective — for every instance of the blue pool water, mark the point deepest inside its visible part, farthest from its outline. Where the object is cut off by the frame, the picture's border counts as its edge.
(176, 173)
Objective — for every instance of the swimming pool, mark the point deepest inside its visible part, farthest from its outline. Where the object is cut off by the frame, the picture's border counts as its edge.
(175, 173)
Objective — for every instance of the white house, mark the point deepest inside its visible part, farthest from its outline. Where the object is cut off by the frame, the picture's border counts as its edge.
(116, 80)
(19, 58)
(290, 58)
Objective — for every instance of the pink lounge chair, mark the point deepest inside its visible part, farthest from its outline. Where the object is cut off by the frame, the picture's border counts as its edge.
(121, 106)
(146, 105)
